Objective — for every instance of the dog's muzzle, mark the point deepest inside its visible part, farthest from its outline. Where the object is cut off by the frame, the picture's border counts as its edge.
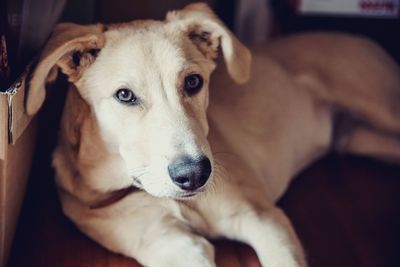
(190, 173)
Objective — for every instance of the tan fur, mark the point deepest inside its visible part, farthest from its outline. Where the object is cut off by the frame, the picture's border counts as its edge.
(306, 94)
(66, 39)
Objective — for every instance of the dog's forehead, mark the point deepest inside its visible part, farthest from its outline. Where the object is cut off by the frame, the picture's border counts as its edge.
(145, 49)
(146, 58)
(141, 57)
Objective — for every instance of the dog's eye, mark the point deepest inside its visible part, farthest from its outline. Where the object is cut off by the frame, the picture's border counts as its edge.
(193, 84)
(126, 96)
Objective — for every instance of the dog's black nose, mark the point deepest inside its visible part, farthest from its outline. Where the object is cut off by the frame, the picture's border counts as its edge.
(190, 173)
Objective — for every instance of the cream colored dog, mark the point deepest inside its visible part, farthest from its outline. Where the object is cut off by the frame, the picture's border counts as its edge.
(135, 117)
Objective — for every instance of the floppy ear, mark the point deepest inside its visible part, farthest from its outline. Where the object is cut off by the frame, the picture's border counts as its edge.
(71, 48)
(207, 32)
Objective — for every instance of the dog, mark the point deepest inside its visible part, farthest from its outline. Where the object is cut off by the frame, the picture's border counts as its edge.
(164, 145)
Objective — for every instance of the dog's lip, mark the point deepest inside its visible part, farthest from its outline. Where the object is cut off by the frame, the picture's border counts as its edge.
(186, 195)
(137, 182)
(181, 195)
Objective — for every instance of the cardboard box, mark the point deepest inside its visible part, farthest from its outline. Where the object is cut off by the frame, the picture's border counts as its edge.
(17, 136)
(26, 24)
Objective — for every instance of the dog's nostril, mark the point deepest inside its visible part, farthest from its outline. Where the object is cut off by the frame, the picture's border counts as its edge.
(190, 173)
(182, 181)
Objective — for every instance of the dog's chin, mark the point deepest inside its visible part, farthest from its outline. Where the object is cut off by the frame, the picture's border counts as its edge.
(137, 183)
(177, 195)
(188, 195)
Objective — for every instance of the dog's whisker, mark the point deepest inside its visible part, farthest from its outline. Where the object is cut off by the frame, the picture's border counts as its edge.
(228, 153)
(221, 152)
(139, 171)
(140, 168)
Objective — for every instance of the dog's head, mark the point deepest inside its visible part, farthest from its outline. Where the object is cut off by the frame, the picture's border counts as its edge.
(146, 85)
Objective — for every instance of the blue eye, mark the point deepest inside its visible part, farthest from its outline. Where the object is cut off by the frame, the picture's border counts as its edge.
(126, 96)
(193, 84)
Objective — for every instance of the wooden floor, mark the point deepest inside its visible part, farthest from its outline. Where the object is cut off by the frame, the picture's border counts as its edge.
(346, 211)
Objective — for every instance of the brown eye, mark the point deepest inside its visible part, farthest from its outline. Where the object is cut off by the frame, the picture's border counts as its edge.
(126, 96)
(193, 84)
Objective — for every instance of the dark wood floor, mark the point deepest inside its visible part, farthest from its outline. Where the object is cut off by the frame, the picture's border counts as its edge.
(345, 209)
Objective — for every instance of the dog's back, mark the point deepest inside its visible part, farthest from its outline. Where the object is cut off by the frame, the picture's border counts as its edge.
(309, 93)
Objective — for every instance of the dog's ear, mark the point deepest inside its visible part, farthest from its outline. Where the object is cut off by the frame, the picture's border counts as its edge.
(207, 32)
(71, 48)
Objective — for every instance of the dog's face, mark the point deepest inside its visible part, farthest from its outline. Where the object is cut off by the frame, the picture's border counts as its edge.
(149, 92)
(147, 86)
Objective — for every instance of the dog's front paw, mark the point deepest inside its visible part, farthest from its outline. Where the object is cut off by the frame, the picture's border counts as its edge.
(197, 252)
(280, 255)
(287, 261)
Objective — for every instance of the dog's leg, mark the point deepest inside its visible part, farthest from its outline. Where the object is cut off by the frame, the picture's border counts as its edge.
(150, 230)
(272, 237)
(177, 246)
(267, 230)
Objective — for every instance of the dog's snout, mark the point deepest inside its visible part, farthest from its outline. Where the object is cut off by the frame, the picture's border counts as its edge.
(190, 173)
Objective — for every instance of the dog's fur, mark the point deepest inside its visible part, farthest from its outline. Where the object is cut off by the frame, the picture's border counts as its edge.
(307, 94)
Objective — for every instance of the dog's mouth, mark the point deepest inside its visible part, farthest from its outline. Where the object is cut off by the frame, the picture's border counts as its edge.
(186, 195)
(137, 183)
(191, 194)
(181, 195)
(175, 194)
